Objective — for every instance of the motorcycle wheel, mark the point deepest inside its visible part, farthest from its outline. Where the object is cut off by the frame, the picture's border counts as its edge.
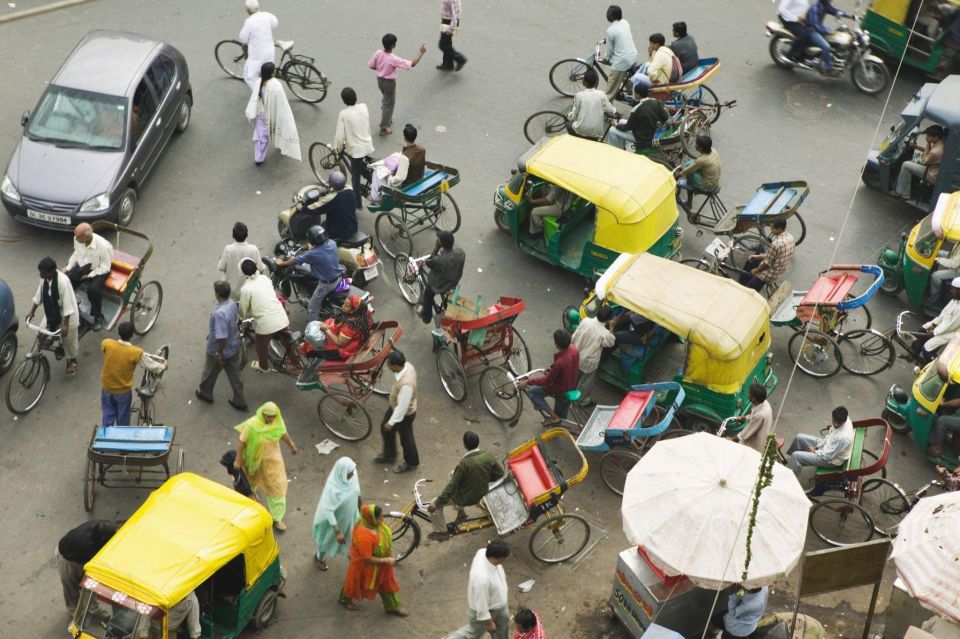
(869, 76)
(779, 47)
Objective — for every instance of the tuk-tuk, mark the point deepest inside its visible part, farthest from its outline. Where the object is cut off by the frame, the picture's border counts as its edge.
(190, 535)
(725, 326)
(932, 104)
(619, 202)
(909, 267)
(917, 411)
(898, 31)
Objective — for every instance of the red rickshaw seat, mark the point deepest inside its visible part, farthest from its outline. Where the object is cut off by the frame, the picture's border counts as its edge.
(631, 411)
(531, 473)
(121, 267)
(829, 289)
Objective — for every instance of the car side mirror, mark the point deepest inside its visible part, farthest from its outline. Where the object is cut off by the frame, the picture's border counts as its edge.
(25, 118)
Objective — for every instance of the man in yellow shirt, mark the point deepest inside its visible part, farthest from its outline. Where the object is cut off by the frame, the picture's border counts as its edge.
(120, 359)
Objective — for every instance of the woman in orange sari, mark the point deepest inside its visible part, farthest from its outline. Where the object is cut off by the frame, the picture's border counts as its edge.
(371, 572)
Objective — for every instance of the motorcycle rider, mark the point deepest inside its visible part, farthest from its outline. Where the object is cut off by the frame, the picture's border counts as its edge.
(818, 32)
(793, 14)
(340, 211)
(324, 264)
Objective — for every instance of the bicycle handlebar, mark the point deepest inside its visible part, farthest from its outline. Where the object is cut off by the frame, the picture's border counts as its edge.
(417, 497)
(535, 371)
(41, 330)
(723, 425)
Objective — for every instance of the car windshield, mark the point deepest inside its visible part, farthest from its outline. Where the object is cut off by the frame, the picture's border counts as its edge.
(73, 118)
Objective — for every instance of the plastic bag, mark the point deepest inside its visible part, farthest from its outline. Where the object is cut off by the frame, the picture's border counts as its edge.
(314, 335)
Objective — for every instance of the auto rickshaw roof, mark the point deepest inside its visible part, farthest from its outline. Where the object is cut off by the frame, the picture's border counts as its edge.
(184, 532)
(946, 216)
(943, 106)
(715, 313)
(627, 185)
(948, 363)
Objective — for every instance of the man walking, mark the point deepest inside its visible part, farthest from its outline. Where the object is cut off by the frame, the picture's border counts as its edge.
(231, 256)
(445, 266)
(620, 52)
(90, 263)
(487, 595)
(471, 480)
(353, 136)
(120, 359)
(75, 549)
(60, 310)
(385, 62)
(259, 301)
(256, 36)
(223, 349)
(399, 417)
(450, 26)
(591, 337)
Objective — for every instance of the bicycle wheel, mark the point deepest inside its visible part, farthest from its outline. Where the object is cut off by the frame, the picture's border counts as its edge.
(566, 76)
(452, 376)
(344, 416)
(448, 217)
(872, 459)
(408, 281)
(230, 57)
(839, 522)
(866, 352)
(518, 361)
(886, 503)
(544, 124)
(614, 467)
(559, 537)
(855, 319)
(694, 123)
(708, 101)
(305, 81)
(815, 353)
(146, 307)
(406, 534)
(697, 263)
(145, 413)
(27, 384)
(89, 485)
(323, 160)
(765, 233)
(392, 235)
(499, 393)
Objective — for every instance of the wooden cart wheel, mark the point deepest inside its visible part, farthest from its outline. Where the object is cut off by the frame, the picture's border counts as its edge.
(89, 485)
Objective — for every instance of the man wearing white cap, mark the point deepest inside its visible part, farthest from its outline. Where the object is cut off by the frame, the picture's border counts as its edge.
(942, 327)
(257, 38)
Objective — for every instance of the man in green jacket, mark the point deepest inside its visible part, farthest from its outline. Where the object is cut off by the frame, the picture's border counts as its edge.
(468, 485)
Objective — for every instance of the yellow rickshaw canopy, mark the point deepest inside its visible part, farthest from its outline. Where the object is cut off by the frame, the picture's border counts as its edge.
(896, 10)
(727, 326)
(634, 196)
(946, 216)
(184, 532)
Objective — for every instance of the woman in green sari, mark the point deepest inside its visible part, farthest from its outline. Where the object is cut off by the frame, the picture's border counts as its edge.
(260, 457)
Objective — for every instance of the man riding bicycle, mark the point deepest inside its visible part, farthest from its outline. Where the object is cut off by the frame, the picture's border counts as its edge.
(445, 266)
(471, 480)
(560, 378)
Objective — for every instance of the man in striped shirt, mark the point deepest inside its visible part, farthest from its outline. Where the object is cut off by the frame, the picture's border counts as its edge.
(765, 268)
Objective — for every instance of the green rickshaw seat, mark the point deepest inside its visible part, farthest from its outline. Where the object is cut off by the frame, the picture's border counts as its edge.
(856, 454)
(430, 179)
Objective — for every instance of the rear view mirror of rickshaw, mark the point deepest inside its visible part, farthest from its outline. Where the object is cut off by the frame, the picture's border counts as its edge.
(191, 537)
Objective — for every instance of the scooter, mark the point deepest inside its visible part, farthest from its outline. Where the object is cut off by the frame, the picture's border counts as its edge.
(357, 253)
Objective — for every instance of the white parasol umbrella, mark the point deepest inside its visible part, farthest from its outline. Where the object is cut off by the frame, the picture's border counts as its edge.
(926, 553)
(687, 503)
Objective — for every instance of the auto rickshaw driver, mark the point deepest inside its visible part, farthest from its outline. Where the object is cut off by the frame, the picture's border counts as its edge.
(553, 202)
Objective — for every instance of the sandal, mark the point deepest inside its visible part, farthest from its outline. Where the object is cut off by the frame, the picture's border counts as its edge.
(71, 369)
(349, 605)
(279, 525)
(385, 131)
(399, 612)
(322, 565)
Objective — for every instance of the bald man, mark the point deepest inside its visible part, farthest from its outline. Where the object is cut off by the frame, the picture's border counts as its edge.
(90, 263)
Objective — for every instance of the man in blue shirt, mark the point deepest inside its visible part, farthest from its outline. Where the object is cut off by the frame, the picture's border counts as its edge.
(223, 349)
(745, 608)
(620, 52)
(324, 264)
(817, 31)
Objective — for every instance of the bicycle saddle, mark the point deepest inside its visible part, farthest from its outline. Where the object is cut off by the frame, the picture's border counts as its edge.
(285, 45)
(146, 391)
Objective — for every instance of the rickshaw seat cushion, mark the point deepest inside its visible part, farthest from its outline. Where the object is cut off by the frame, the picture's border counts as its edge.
(132, 439)
(856, 455)
(532, 474)
(829, 289)
(121, 267)
(429, 180)
(632, 410)
(695, 72)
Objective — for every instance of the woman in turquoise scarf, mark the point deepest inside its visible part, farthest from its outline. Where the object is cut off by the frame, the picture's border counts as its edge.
(337, 511)
(259, 455)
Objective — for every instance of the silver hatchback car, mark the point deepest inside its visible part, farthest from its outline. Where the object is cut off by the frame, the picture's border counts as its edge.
(97, 131)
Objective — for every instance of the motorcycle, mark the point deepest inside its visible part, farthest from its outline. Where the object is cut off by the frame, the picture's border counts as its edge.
(296, 284)
(849, 51)
(357, 253)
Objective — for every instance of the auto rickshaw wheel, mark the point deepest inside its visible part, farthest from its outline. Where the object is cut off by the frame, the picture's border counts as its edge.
(500, 217)
(897, 423)
(263, 615)
(892, 284)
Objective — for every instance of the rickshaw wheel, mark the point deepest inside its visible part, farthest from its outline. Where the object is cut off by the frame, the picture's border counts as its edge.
(409, 283)
(89, 485)
(866, 352)
(614, 467)
(344, 416)
(693, 124)
(559, 537)
(897, 423)
(452, 376)
(798, 238)
(146, 307)
(500, 217)
(815, 353)
(886, 503)
(406, 534)
(839, 522)
(518, 361)
(266, 608)
(499, 394)
(447, 216)
(392, 235)
(26, 385)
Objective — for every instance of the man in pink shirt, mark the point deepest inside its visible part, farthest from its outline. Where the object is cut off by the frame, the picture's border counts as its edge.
(385, 62)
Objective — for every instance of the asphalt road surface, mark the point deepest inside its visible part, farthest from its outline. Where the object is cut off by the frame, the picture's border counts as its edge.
(785, 126)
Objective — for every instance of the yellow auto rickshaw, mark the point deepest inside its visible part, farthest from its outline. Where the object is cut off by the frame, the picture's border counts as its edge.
(615, 202)
(726, 328)
(191, 535)
(914, 30)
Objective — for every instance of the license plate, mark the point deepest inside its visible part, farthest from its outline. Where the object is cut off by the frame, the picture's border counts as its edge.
(371, 273)
(48, 217)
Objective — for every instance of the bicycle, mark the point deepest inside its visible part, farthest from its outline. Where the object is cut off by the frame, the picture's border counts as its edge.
(500, 390)
(143, 406)
(887, 503)
(303, 78)
(29, 380)
(876, 352)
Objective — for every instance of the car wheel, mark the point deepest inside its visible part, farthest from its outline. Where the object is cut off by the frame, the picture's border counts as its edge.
(126, 207)
(8, 351)
(183, 119)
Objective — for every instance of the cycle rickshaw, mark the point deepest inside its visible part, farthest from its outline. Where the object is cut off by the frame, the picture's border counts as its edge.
(123, 290)
(532, 488)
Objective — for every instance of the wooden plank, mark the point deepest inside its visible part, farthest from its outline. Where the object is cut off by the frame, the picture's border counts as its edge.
(847, 567)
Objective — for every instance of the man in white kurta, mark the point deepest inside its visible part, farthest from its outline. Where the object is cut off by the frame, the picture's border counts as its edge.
(257, 36)
(942, 327)
(487, 595)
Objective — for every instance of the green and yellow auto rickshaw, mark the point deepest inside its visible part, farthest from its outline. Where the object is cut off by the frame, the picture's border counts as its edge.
(619, 202)
(917, 410)
(910, 29)
(910, 266)
(725, 326)
(191, 535)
